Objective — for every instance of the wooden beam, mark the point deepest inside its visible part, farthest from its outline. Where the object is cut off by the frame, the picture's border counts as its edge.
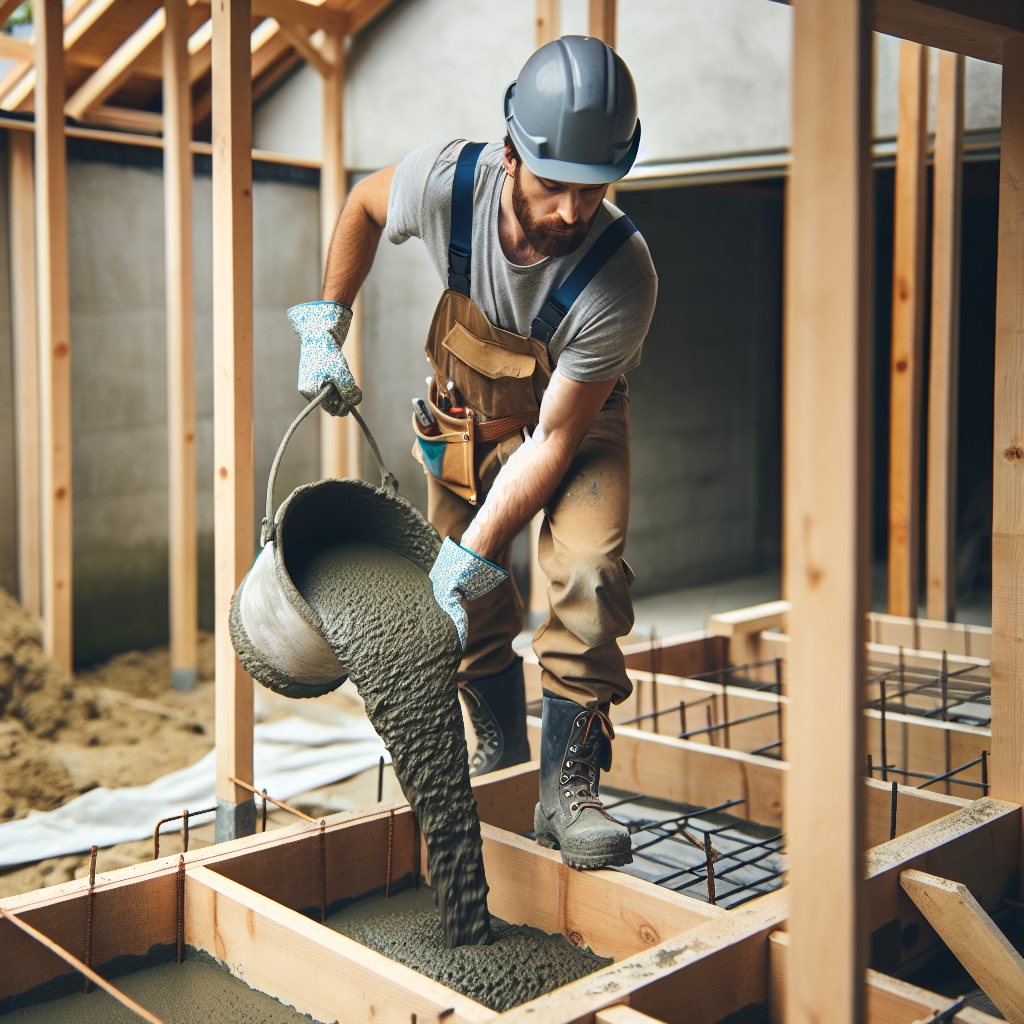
(181, 387)
(299, 38)
(930, 635)
(908, 286)
(622, 1014)
(299, 12)
(334, 430)
(322, 971)
(127, 118)
(974, 938)
(26, 364)
(114, 72)
(7, 8)
(601, 20)
(232, 399)
(827, 446)
(54, 334)
(1008, 448)
(549, 21)
(13, 48)
(943, 361)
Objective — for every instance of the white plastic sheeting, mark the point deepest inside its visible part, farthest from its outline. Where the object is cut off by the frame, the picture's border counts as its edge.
(290, 756)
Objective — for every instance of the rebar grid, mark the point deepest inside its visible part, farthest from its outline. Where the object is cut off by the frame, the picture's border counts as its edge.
(947, 691)
(703, 852)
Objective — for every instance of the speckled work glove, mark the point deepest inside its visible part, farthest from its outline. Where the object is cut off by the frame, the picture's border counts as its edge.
(459, 576)
(322, 328)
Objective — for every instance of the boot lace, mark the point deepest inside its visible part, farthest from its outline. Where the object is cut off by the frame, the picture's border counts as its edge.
(579, 773)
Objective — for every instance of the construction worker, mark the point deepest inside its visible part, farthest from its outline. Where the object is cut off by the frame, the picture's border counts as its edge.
(550, 293)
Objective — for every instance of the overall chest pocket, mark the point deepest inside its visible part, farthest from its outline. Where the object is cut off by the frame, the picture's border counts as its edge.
(491, 379)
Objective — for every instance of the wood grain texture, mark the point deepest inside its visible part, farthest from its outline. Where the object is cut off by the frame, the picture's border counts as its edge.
(944, 358)
(232, 378)
(548, 20)
(601, 20)
(908, 287)
(24, 329)
(826, 426)
(976, 28)
(181, 386)
(973, 937)
(1008, 448)
(54, 334)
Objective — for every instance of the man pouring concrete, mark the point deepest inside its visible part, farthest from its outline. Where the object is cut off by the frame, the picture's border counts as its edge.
(550, 292)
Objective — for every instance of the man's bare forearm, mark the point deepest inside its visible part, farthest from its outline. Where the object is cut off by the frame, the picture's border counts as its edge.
(356, 237)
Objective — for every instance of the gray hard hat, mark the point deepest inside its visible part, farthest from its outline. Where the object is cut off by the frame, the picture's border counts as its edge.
(572, 112)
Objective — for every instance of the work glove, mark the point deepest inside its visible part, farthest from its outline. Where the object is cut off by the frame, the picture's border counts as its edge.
(322, 328)
(459, 576)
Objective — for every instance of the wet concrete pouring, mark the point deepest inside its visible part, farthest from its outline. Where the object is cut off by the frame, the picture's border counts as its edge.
(521, 964)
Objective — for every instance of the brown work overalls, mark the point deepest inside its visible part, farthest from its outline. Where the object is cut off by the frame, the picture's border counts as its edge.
(501, 377)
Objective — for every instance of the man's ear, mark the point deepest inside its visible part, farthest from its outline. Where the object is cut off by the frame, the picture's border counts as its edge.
(510, 163)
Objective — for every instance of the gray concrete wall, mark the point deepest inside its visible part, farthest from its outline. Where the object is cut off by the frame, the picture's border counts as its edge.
(119, 413)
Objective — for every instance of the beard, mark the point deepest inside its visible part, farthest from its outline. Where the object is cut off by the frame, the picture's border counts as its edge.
(550, 236)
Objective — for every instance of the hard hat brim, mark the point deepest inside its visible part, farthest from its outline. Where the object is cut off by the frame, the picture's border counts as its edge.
(573, 173)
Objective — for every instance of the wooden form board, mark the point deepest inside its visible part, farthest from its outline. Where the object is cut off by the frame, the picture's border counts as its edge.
(908, 287)
(54, 325)
(183, 534)
(232, 380)
(24, 328)
(930, 635)
(826, 430)
(678, 959)
(944, 347)
(1008, 447)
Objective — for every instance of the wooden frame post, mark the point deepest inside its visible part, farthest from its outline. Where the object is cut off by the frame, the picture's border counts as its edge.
(232, 398)
(54, 323)
(1008, 447)
(827, 430)
(601, 20)
(908, 286)
(181, 392)
(549, 20)
(943, 372)
(26, 363)
(339, 445)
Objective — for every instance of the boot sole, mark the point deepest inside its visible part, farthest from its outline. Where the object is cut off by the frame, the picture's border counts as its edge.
(579, 861)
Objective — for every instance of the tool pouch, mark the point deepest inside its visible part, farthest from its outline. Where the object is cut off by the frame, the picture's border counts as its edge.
(449, 455)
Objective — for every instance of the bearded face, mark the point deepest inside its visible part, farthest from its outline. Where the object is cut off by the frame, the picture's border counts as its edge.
(549, 235)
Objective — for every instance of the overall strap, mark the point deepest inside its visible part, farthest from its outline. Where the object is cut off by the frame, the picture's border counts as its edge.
(554, 311)
(460, 241)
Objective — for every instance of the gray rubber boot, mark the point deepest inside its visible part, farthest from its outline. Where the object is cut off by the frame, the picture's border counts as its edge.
(570, 816)
(497, 709)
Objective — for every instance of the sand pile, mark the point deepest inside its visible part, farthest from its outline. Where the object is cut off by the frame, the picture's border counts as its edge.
(117, 725)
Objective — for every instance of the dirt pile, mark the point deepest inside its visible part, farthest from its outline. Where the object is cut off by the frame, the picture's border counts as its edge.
(117, 725)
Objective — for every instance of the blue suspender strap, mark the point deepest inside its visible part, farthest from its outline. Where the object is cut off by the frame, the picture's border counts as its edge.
(460, 242)
(553, 311)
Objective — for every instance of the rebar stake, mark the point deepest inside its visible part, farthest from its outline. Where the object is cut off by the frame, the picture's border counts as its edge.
(881, 702)
(984, 772)
(380, 779)
(88, 913)
(391, 844)
(180, 931)
(710, 854)
(871, 768)
(264, 811)
(682, 717)
(184, 831)
(892, 812)
(654, 680)
(323, 870)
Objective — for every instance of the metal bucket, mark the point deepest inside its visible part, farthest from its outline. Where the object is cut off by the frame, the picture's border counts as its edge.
(277, 635)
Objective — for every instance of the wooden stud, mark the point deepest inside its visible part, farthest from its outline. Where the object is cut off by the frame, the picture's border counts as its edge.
(299, 38)
(974, 938)
(622, 1014)
(54, 333)
(601, 20)
(26, 363)
(181, 390)
(549, 21)
(232, 395)
(908, 286)
(827, 445)
(1008, 448)
(945, 341)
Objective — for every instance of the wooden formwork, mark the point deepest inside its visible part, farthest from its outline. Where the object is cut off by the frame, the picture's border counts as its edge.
(253, 903)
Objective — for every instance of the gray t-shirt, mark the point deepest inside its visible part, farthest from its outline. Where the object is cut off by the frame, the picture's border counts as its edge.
(604, 330)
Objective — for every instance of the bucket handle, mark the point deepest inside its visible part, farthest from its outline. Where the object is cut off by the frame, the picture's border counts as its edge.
(388, 483)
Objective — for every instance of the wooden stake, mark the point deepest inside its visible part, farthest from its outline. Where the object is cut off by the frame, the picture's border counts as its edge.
(339, 438)
(232, 397)
(549, 21)
(26, 364)
(54, 331)
(602, 20)
(181, 398)
(945, 340)
(1008, 448)
(908, 284)
(827, 442)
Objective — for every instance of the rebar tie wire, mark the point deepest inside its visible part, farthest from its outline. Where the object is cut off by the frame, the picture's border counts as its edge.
(183, 817)
(82, 968)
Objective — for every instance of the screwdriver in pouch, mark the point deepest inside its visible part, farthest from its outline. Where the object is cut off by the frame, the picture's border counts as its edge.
(425, 418)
